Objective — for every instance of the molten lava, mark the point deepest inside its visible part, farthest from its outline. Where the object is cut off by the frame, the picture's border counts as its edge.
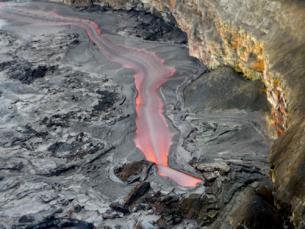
(153, 136)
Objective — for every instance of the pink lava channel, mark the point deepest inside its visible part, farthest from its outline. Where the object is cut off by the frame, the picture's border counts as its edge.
(153, 136)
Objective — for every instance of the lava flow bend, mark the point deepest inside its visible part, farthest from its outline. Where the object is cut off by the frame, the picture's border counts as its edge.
(153, 136)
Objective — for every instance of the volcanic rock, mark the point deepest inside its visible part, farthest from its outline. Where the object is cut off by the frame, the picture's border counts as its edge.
(139, 190)
(255, 212)
(154, 28)
(214, 166)
(59, 223)
(265, 44)
(219, 33)
(119, 208)
(134, 171)
(224, 89)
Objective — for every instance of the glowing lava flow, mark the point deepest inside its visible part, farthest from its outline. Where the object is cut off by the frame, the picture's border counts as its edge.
(153, 136)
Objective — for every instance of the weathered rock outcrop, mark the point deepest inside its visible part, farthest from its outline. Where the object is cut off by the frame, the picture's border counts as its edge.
(264, 40)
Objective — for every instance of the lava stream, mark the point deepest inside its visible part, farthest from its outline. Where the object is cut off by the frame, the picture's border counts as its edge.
(153, 136)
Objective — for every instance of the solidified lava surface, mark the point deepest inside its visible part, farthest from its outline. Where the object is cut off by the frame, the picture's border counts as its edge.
(80, 102)
(153, 136)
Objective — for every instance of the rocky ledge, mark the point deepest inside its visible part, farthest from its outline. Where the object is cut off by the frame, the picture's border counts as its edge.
(264, 40)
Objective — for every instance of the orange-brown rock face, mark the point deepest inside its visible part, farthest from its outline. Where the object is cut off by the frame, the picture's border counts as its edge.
(265, 40)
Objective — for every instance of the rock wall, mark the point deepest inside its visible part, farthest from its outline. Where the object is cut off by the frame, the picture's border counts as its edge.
(264, 40)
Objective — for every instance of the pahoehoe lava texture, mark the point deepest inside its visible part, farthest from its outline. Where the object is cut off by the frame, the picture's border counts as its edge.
(153, 136)
(68, 121)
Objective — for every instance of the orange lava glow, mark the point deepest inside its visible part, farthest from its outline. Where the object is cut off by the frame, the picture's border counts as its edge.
(153, 136)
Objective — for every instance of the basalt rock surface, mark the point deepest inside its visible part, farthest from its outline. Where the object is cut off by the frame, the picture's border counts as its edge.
(67, 124)
(264, 40)
(64, 124)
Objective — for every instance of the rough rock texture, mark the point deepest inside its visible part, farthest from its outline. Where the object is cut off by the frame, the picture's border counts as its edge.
(264, 40)
(67, 125)
(256, 211)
